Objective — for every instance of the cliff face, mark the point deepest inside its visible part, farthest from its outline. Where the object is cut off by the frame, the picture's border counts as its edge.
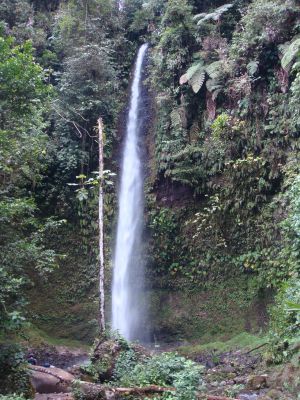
(221, 150)
(224, 146)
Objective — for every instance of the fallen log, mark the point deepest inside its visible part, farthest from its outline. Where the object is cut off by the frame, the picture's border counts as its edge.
(50, 380)
(48, 371)
(143, 390)
(92, 389)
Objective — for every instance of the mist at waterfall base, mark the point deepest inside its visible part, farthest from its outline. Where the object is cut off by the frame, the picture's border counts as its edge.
(129, 303)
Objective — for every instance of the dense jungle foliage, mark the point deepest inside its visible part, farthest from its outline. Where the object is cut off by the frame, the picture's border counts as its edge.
(222, 167)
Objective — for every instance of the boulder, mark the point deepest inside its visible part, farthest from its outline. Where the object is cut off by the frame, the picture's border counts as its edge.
(257, 382)
(54, 396)
(272, 395)
(106, 353)
(104, 358)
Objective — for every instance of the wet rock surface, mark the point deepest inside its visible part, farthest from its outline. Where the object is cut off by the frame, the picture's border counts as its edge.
(54, 396)
(58, 356)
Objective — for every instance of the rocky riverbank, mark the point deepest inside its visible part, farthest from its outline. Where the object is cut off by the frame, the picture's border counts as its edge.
(237, 374)
(245, 376)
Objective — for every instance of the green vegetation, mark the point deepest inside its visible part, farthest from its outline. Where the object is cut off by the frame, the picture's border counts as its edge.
(163, 370)
(14, 374)
(130, 367)
(244, 341)
(208, 314)
(24, 236)
(12, 397)
(285, 323)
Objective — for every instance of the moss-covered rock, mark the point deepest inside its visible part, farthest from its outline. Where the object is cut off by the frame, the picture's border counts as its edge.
(223, 311)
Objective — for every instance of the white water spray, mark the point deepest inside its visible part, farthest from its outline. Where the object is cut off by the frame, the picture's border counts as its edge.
(127, 308)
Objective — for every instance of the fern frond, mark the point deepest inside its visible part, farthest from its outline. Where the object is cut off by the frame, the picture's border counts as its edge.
(190, 72)
(197, 80)
(214, 87)
(194, 69)
(215, 15)
(214, 69)
(195, 76)
(175, 119)
(252, 67)
(197, 16)
(188, 152)
(296, 66)
(289, 54)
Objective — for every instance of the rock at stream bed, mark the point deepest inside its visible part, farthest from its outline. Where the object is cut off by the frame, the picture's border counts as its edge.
(273, 395)
(54, 396)
(257, 382)
(248, 396)
(106, 354)
(59, 356)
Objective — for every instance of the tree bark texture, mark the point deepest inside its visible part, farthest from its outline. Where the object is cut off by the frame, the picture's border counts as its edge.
(101, 231)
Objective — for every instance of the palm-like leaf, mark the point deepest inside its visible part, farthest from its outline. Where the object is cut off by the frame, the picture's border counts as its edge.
(195, 76)
(214, 69)
(252, 67)
(197, 80)
(215, 15)
(290, 52)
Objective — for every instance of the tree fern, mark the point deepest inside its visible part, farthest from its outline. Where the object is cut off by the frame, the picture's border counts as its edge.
(289, 54)
(214, 69)
(197, 80)
(215, 15)
(195, 76)
(214, 87)
(252, 67)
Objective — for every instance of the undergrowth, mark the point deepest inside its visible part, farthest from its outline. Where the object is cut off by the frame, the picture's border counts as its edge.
(166, 369)
(244, 341)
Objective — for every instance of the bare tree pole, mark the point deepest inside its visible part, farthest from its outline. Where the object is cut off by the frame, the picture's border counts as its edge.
(101, 235)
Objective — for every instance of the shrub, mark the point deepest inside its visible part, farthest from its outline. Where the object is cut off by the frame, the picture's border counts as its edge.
(285, 322)
(14, 377)
(12, 397)
(166, 369)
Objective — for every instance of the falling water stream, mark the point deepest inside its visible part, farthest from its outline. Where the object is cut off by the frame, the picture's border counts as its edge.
(127, 301)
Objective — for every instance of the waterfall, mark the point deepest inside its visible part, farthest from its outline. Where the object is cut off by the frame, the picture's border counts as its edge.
(127, 299)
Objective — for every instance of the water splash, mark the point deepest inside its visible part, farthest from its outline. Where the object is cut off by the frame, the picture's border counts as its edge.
(127, 308)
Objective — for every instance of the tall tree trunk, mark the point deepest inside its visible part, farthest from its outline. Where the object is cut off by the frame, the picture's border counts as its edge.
(101, 235)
